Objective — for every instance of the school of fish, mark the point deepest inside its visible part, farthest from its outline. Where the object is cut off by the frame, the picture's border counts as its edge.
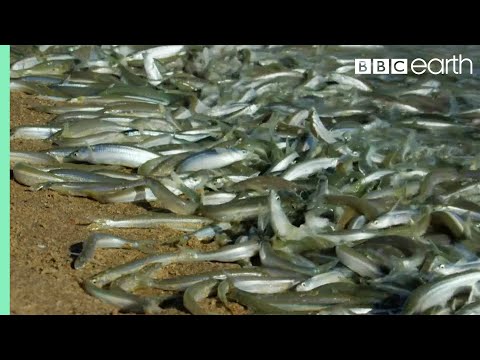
(336, 193)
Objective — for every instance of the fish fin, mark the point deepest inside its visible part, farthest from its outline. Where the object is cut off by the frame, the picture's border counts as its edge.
(41, 186)
(474, 294)
(398, 202)
(185, 189)
(90, 151)
(222, 239)
(197, 106)
(222, 290)
(263, 221)
(467, 226)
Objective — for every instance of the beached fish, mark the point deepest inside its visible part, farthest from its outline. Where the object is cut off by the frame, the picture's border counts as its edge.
(328, 192)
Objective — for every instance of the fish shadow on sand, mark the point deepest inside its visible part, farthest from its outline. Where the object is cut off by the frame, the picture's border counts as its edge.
(75, 250)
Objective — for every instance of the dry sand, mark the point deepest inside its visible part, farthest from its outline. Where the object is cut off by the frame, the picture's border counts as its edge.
(46, 227)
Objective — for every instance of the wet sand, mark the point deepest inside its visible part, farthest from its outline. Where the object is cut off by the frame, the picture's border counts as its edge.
(47, 227)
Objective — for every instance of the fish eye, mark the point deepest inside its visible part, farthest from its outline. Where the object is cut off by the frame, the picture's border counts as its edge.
(277, 197)
(375, 222)
(442, 266)
(355, 153)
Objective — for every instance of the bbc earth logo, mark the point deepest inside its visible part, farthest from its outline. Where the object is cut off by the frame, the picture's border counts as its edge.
(417, 66)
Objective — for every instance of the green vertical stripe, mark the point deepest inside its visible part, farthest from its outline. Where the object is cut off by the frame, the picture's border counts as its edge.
(5, 180)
